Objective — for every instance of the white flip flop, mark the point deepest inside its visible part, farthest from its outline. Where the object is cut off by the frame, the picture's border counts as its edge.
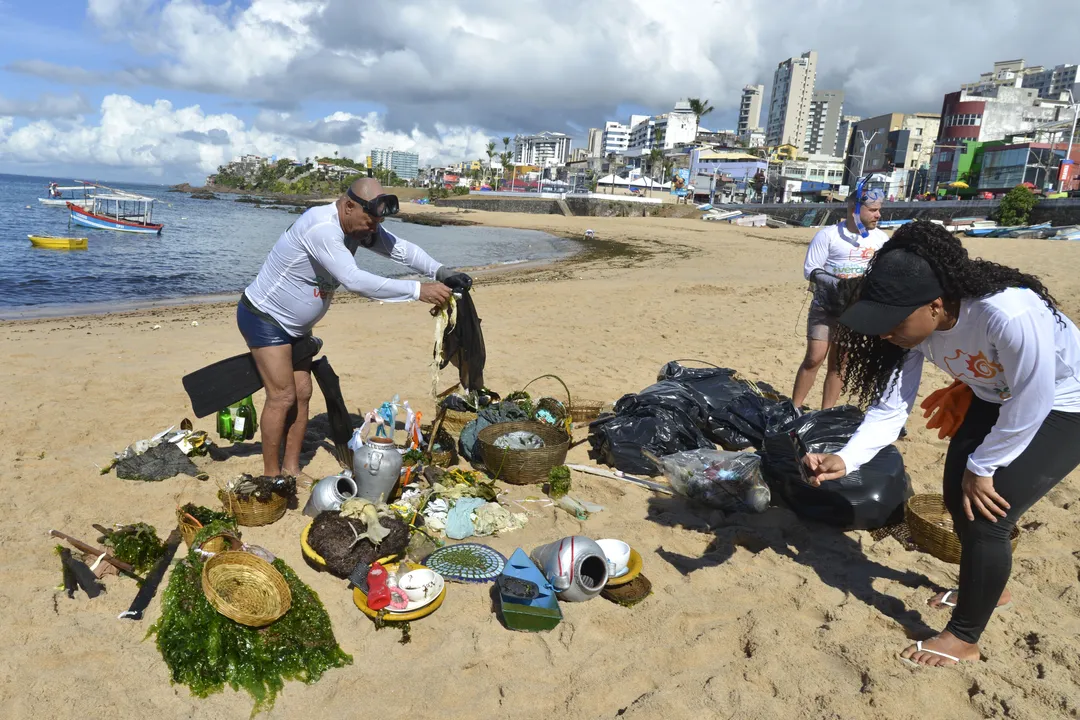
(920, 648)
(949, 593)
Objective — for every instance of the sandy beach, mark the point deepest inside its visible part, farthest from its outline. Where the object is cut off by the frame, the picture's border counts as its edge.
(763, 616)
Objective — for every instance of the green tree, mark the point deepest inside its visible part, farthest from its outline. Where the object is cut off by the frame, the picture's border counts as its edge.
(700, 108)
(491, 155)
(506, 159)
(1016, 206)
(656, 155)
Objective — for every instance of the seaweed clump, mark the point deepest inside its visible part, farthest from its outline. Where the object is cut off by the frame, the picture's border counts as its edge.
(338, 540)
(137, 544)
(206, 650)
(204, 515)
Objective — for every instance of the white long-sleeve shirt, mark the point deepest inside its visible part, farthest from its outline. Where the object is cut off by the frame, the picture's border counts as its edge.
(313, 258)
(1010, 349)
(842, 253)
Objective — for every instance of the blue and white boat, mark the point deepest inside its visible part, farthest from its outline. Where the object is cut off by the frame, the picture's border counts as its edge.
(120, 211)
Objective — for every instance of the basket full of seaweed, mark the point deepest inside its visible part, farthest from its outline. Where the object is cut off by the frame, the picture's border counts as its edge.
(359, 533)
(191, 518)
(257, 501)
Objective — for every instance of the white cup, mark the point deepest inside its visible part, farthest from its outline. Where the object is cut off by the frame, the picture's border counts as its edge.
(419, 584)
(617, 553)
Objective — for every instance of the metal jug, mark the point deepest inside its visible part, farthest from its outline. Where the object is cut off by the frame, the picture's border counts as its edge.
(576, 567)
(376, 469)
(329, 493)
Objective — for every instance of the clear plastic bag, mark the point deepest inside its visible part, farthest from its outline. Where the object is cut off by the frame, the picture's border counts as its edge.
(717, 478)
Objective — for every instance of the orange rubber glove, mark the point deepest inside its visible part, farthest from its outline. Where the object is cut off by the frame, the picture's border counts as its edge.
(949, 407)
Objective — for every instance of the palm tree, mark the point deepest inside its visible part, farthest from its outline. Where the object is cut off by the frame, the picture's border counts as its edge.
(491, 154)
(700, 108)
(656, 155)
(611, 168)
(506, 160)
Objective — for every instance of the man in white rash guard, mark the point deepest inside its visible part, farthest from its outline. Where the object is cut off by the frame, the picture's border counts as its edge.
(293, 291)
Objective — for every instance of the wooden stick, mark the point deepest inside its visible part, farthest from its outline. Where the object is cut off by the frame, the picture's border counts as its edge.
(80, 545)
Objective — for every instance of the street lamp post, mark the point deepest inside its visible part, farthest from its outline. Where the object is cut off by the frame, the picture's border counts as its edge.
(865, 143)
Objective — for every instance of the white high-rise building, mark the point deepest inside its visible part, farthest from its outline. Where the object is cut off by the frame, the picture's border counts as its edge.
(792, 95)
(543, 149)
(826, 110)
(406, 165)
(596, 142)
(665, 131)
(615, 138)
(750, 109)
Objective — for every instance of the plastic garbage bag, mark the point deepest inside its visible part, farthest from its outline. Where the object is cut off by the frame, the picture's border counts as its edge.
(867, 499)
(726, 480)
(670, 396)
(749, 416)
(519, 440)
(581, 509)
(617, 440)
(719, 388)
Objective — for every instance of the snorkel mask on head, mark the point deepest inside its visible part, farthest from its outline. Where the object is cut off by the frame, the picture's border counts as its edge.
(865, 195)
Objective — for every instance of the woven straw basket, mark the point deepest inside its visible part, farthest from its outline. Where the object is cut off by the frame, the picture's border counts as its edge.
(250, 512)
(188, 526)
(245, 588)
(523, 467)
(931, 527)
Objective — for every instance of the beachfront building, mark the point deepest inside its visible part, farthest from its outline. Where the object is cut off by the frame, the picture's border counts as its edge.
(901, 142)
(993, 113)
(616, 137)
(678, 127)
(596, 142)
(406, 165)
(843, 135)
(826, 110)
(792, 94)
(1050, 83)
(543, 149)
(730, 172)
(750, 109)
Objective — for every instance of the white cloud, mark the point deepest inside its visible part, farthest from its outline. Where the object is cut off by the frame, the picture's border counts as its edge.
(158, 139)
(45, 106)
(534, 65)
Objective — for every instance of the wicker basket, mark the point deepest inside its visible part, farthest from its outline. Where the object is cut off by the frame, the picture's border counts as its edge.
(523, 467)
(245, 588)
(931, 527)
(250, 512)
(438, 433)
(585, 411)
(219, 543)
(188, 526)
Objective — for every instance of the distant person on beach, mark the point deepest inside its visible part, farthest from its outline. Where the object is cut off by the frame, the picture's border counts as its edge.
(998, 331)
(293, 291)
(836, 252)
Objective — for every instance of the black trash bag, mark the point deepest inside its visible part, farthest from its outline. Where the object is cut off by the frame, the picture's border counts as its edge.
(469, 439)
(870, 498)
(720, 388)
(669, 395)
(617, 440)
(749, 416)
(158, 463)
(463, 345)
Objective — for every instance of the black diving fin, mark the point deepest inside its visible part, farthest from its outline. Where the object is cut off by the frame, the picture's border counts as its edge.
(229, 381)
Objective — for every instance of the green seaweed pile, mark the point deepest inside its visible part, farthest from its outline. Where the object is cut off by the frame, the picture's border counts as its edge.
(205, 515)
(137, 544)
(558, 481)
(206, 650)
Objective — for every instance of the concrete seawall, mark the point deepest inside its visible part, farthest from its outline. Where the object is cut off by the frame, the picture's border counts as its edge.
(1065, 211)
(581, 207)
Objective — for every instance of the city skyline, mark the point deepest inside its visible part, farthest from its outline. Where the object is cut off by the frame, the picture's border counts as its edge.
(152, 102)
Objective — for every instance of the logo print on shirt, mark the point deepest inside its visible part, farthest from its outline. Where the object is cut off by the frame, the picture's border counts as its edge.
(975, 367)
(861, 254)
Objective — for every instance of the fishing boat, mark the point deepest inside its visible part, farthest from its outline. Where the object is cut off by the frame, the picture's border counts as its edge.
(53, 242)
(60, 196)
(120, 211)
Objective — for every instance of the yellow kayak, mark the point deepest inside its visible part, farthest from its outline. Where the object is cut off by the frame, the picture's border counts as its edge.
(57, 243)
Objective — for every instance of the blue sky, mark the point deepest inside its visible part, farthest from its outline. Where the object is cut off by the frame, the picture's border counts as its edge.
(131, 85)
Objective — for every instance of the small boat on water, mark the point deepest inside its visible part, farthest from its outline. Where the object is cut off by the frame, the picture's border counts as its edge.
(60, 196)
(53, 242)
(120, 211)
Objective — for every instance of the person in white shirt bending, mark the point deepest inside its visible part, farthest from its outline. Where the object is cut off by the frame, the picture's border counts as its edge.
(836, 252)
(998, 331)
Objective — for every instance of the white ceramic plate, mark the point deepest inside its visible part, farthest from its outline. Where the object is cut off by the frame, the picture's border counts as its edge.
(440, 585)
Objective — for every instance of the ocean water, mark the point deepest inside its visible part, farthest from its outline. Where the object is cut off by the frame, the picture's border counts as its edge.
(208, 247)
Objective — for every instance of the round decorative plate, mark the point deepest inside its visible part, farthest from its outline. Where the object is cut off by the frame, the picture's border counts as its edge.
(467, 562)
(360, 600)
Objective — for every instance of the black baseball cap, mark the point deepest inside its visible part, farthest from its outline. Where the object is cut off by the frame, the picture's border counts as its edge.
(898, 283)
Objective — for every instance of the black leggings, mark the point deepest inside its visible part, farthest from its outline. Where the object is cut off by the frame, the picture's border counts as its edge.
(986, 559)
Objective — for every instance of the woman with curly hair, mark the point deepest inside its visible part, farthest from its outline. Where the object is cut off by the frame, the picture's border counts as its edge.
(999, 331)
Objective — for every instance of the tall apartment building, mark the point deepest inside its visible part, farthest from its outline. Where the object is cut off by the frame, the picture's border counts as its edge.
(543, 149)
(844, 133)
(792, 94)
(750, 109)
(894, 141)
(406, 165)
(1052, 82)
(596, 142)
(616, 136)
(826, 110)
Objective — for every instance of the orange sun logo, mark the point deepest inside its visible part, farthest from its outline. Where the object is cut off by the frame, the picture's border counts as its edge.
(981, 367)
